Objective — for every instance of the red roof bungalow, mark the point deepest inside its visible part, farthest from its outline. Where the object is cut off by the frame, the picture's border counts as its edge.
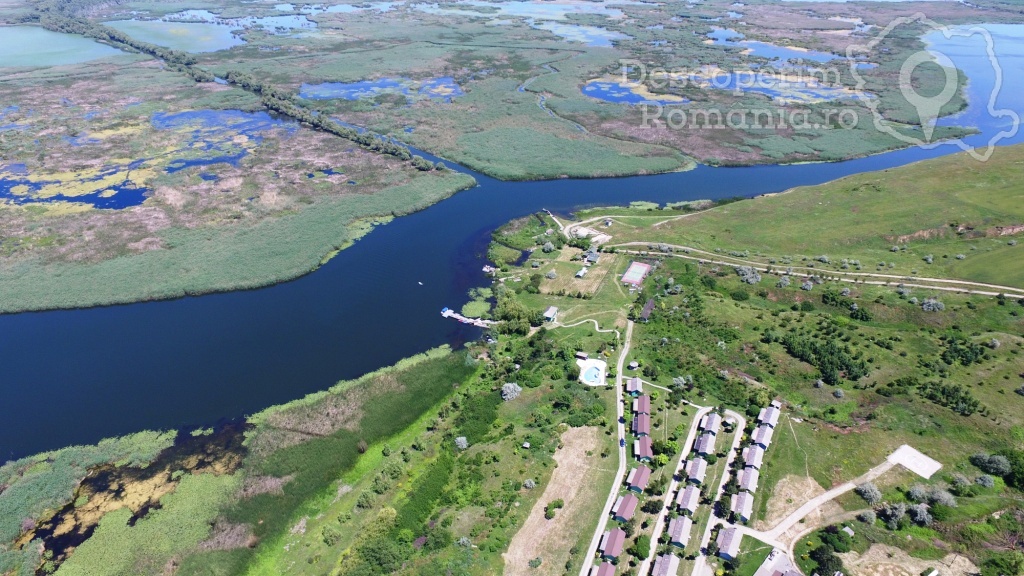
(638, 478)
(696, 470)
(679, 531)
(634, 387)
(605, 569)
(612, 543)
(753, 456)
(625, 507)
(688, 499)
(666, 565)
(642, 449)
(642, 405)
(642, 424)
(729, 543)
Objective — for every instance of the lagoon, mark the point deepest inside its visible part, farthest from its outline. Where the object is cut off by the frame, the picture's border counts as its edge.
(34, 46)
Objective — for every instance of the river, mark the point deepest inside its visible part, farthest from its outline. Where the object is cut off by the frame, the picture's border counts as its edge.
(74, 377)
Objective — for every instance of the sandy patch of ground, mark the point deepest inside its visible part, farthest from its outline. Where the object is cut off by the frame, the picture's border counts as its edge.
(790, 494)
(881, 560)
(573, 482)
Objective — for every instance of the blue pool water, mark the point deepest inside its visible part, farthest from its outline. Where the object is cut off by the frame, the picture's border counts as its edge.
(592, 375)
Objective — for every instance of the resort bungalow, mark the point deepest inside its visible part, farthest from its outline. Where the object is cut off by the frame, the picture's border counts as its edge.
(688, 499)
(711, 422)
(634, 387)
(642, 424)
(642, 449)
(633, 365)
(638, 478)
(582, 356)
(769, 416)
(666, 565)
(696, 470)
(642, 405)
(763, 436)
(743, 505)
(592, 257)
(749, 478)
(706, 444)
(624, 508)
(645, 314)
(729, 543)
(612, 543)
(679, 531)
(753, 456)
(605, 569)
(551, 314)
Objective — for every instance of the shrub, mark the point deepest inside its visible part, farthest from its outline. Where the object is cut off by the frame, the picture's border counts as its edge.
(985, 481)
(536, 562)
(330, 535)
(510, 391)
(740, 295)
(549, 510)
(867, 517)
(748, 274)
(932, 305)
(996, 464)
(870, 493)
(529, 484)
(783, 282)
(919, 514)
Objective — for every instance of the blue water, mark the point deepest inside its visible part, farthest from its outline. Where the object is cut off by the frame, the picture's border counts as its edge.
(731, 38)
(189, 362)
(592, 375)
(615, 92)
(444, 88)
(211, 132)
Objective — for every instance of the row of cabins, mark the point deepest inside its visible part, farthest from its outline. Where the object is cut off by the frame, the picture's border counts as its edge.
(742, 504)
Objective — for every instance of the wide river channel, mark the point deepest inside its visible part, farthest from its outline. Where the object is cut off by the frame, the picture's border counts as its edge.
(74, 377)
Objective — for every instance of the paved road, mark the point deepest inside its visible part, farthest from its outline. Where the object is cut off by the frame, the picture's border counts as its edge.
(659, 524)
(603, 523)
(814, 503)
(700, 566)
(952, 285)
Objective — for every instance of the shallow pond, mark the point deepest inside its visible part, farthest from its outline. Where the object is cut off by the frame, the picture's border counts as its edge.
(444, 88)
(185, 36)
(730, 37)
(213, 137)
(34, 46)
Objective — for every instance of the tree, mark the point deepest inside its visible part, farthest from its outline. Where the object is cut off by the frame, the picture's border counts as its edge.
(652, 506)
(461, 443)
(996, 464)
(642, 546)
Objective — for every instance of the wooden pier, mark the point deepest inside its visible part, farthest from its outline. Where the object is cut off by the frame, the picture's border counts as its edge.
(480, 323)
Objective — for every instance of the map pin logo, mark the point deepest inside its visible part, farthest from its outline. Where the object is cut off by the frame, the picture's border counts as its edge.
(928, 107)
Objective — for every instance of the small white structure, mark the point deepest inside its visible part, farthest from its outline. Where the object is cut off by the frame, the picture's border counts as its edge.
(769, 415)
(753, 456)
(711, 422)
(679, 531)
(551, 314)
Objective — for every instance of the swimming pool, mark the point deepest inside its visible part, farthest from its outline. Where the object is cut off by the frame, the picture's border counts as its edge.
(592, 375)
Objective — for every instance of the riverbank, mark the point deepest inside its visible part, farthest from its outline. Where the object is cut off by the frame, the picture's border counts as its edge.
(221, 259)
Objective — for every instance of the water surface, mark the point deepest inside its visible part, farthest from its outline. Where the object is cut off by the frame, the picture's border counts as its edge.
(189, 362)
(35, 46)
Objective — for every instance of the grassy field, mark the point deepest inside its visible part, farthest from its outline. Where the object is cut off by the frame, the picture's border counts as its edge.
(944, 208)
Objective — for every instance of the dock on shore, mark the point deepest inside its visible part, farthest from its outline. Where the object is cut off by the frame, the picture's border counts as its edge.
(478, 322)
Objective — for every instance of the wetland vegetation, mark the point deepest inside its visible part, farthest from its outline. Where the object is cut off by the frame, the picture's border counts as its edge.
(463, 460)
